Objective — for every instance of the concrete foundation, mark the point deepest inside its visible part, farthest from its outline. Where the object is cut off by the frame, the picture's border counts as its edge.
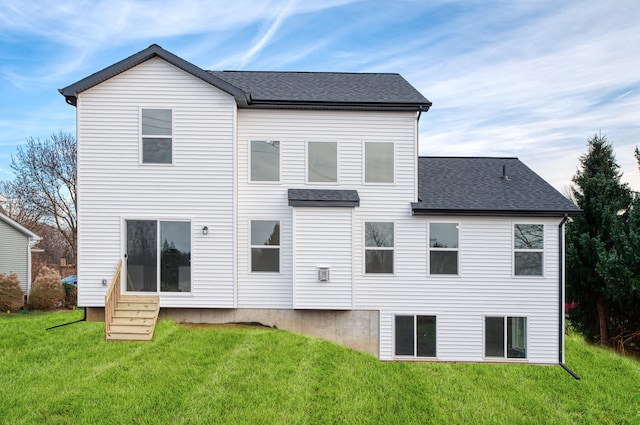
(356, 329)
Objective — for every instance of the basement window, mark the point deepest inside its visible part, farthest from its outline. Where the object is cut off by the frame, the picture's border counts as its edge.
(505, 337)
(415, 336)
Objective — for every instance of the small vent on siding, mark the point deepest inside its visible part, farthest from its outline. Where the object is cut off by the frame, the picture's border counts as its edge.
(324, 274)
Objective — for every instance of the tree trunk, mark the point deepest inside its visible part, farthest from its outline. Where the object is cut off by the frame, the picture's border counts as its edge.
(602, 320)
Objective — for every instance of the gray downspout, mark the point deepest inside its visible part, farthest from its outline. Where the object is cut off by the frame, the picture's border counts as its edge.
(84, 319)
(561, 298)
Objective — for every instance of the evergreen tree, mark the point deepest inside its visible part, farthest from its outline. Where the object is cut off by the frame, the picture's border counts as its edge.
(598, 250)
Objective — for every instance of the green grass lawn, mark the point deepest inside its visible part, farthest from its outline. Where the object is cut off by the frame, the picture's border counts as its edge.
(241, 375)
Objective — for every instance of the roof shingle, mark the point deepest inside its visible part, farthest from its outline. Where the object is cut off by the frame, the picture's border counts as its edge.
(490, 186)
(323, 198)
(324, 87)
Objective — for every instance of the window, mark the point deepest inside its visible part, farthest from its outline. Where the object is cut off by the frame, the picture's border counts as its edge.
(378, 247)
(265, 246)
(322, 162)
(443, 248)
(528, 244)
(157, 136)
(171, 242)
(415, 336)
(514, 334)
(378, 162)
(265, 161)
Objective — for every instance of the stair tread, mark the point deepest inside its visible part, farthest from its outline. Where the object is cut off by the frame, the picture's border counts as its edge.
(134, 318)
(119, 336)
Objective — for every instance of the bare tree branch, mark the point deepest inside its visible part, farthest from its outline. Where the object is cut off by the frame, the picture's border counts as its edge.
(44, 188)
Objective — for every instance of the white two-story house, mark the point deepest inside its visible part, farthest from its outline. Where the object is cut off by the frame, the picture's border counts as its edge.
(299, 200)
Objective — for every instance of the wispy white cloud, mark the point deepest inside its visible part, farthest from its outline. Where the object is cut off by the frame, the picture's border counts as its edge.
(526, 79)
(266, 37)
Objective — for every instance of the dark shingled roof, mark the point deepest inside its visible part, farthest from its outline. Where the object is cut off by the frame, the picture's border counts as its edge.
(323, 198)
(477, 186)
(290, 90)
(329, 88)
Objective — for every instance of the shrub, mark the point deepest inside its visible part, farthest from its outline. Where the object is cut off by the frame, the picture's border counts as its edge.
(11, 295)
(46, 292)
(70, 295)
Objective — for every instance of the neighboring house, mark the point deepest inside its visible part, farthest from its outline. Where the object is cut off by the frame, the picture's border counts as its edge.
(16, 242)
(299, 200)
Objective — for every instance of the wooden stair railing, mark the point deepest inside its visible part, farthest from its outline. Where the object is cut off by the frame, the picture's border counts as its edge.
(129, 317)
(112, 298)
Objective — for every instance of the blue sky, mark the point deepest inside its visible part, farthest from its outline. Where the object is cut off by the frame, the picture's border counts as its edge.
(532, 79)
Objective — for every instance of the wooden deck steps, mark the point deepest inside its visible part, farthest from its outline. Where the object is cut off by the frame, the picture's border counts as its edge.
(134, 318)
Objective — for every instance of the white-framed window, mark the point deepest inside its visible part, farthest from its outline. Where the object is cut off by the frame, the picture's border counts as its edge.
(443, 248)
(158, 255)
(379, 247)
(322, 162)
(415, 335)
(528, 249)
(505, 337)
(379, 162)
(156, 131)
(265, 246)
(265, 161)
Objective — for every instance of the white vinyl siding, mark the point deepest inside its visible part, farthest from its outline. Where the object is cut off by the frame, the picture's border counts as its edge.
(485, 287)
(199, 186)
(379, 203)
(15, 254)
(323, 238)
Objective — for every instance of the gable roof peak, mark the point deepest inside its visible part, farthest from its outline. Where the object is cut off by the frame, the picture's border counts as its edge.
(281, 90)
(72, 91)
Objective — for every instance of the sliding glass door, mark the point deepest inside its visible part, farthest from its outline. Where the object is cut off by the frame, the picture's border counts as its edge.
(158, 256)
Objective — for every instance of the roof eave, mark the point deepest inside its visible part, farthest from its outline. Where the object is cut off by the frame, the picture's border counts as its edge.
(72, 91)
(356, 106)
(20, 228)
(417, 209)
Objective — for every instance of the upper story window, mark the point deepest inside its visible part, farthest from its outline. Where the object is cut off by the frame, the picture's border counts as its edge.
(157, 136)
(528, 249)
(322, 162)
(443, 248)
(378, 237)
(265, 161)
(379, 162)
(265, 246)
